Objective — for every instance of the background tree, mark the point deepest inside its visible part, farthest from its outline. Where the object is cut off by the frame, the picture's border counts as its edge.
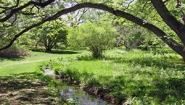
(93, 36)
(51, 34)
(130, 36)
(174, 21)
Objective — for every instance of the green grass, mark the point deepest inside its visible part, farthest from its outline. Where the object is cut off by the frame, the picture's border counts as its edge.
(139, 77)
(10, 66)
(20, 81)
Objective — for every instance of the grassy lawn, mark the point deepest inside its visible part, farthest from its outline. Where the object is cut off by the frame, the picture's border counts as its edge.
(20, 84)
(10, 66)
(135, 77)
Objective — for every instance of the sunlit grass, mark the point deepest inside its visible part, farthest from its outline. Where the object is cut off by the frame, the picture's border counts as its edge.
(10, 66)
(140, 77)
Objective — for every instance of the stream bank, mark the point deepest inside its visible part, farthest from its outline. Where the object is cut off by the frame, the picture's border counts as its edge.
(80, 95)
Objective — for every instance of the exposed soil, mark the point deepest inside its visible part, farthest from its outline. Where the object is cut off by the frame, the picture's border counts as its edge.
(21, 90)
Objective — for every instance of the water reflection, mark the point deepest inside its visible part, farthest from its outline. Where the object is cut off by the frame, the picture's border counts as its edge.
(81, 97)
(75, 93)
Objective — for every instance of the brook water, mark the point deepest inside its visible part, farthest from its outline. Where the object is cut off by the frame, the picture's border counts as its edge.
(72, 92)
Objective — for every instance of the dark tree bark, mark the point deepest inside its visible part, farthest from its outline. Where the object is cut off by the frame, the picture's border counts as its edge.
(159, 5)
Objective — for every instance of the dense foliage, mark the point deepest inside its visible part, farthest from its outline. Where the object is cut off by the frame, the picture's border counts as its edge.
(93, 36)
(25, 15)
(50, 35)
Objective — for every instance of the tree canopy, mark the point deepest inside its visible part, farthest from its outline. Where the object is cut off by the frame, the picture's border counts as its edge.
(170, 13)
(50, 34)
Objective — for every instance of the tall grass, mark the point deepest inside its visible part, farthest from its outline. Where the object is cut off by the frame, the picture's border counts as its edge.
(137, 77)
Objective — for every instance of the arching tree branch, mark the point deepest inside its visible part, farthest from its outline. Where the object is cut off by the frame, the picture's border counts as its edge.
(173, 44)
(15, 10)
(169, 19)
(21, 33)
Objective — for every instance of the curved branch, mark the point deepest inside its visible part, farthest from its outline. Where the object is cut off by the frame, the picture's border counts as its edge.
(13, 11)
(169, 19)
(173, 44)
(22, 32)
(9, 8)
(123, 14)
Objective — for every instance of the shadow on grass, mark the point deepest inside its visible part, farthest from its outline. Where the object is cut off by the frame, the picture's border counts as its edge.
(85, 58)
(11, 59)
(162, 91)
(157, 62)
(56, 51)
(25, 89)
(1, 59)
(89, 57)
(169, 91)
(64, 52)
(11, 83)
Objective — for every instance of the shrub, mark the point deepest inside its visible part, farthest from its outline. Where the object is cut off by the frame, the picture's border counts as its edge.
(93, 36)
(14, 51)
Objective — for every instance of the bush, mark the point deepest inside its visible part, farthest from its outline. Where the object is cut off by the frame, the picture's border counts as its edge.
(93, 36)
(14, 51)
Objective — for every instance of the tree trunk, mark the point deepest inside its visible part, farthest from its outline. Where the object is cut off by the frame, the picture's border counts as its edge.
(96, 52)
(48, 48)
(174, 24)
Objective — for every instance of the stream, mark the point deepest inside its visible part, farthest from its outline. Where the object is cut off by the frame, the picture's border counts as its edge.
(72, 92)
